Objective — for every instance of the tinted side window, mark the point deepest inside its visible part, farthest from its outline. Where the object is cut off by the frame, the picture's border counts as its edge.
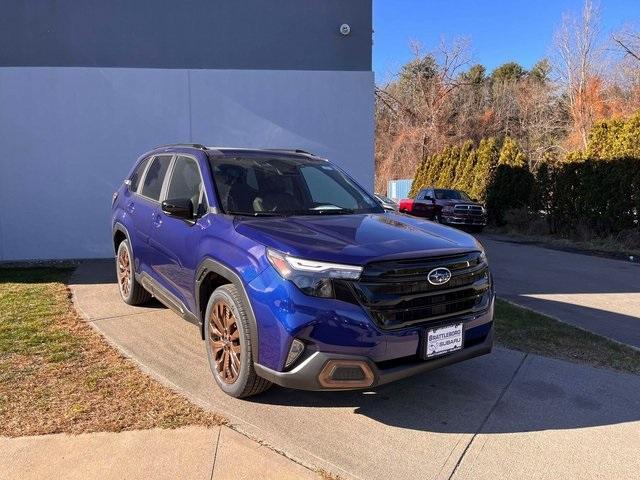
(187, 183)
(155, 176)
(137, 175)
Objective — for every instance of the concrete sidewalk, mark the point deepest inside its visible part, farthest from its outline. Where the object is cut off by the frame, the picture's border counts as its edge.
(191, 453)
(504, 415)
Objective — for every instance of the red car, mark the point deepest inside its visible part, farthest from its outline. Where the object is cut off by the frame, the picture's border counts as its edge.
(447, 206)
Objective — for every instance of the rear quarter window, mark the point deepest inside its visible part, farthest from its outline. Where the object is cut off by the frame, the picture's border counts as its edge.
(154, 178)
(137, 175)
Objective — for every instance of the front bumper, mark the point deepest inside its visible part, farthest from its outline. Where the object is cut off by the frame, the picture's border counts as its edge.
(464, 220)
(305, 376)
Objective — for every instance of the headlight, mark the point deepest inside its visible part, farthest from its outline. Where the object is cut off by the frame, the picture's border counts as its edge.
(311, 276)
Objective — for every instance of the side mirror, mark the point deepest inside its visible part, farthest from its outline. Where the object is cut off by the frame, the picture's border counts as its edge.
(178, 207)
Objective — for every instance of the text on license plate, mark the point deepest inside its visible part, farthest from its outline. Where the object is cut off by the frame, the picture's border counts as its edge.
(444, 339)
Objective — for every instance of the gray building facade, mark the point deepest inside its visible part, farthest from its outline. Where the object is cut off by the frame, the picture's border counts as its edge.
(85, 87)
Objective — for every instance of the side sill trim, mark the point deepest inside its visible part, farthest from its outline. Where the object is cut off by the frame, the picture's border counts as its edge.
(166, 297)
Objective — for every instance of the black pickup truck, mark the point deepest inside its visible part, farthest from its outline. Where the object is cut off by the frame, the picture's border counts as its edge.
(447, 206)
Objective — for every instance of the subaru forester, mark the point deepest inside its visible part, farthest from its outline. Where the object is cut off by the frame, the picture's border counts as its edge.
(294, 273)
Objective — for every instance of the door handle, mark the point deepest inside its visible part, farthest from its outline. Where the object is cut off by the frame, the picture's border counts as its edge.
(131, 207)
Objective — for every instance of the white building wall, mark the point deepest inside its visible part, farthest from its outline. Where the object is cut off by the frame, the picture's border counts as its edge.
(69, 135)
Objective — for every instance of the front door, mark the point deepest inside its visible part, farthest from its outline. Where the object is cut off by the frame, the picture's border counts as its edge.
(176, 240)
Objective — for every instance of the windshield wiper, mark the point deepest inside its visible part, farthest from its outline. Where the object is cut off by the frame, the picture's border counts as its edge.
(257, 214)
(331, 211)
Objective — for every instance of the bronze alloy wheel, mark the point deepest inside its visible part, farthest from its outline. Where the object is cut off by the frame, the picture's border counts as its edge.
(124, 271)
(224, 338)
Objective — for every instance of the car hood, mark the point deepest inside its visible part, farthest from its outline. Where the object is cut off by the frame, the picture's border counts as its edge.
(458, 202)
(356, 239)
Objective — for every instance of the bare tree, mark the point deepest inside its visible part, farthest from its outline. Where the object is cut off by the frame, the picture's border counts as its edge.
(578, 62)
(629, 43)
(625, 76)
(414, 112)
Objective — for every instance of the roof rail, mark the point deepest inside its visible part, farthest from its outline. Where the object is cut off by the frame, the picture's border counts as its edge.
(294, 150)
(192, 145)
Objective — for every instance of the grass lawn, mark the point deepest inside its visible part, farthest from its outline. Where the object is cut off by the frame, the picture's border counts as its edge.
(58, 375)
(527, 331)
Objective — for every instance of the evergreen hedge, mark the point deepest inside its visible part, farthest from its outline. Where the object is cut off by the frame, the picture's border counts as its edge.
(598, 189)
(495, 172)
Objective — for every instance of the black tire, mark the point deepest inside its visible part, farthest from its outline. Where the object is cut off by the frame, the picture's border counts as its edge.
(246, 382)
(131, 291)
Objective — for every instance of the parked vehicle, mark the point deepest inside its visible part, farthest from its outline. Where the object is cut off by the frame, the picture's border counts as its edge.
(446, 206)
(294, 273)
(386, 202)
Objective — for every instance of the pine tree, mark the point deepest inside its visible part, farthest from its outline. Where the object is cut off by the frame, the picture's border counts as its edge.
(487, 160)
(511, 154)
(435, 167)
(469, 156)
(631, 137)
(450, 157)
(419, 178)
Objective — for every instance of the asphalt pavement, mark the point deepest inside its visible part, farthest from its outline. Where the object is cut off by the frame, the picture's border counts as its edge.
(504, 415)
(598, 294)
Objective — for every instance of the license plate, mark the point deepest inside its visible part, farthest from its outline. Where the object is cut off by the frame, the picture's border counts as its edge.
(443, 340)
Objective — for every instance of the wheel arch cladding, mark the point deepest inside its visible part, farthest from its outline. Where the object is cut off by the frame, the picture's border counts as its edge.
(118, 237)
(212, 274)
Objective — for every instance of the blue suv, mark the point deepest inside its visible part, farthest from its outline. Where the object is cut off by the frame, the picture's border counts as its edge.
(295, 274)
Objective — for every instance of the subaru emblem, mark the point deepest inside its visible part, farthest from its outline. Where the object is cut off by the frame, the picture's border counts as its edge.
(439, 276)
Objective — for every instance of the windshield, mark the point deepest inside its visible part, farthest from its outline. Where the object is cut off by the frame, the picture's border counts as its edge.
(287, 186)
(384, 199)
(442, 194)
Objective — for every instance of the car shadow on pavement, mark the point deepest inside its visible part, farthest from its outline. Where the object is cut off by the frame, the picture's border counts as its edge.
(535, 394)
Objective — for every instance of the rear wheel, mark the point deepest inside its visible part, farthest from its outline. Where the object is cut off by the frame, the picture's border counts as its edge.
(228, 343)
(130, 290)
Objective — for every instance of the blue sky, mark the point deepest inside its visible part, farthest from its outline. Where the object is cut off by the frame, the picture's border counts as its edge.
(499, 30)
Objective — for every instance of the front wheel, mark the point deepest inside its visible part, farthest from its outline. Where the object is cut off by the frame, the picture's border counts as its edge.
(228, 344)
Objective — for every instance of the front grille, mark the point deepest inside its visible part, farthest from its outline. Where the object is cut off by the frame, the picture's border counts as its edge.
(397, 294)
(465, 209)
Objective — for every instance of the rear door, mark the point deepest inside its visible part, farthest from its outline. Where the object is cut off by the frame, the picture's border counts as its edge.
(131, 202)
(147, 210)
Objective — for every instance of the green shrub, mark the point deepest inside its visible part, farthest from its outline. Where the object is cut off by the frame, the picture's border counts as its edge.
(596, 191)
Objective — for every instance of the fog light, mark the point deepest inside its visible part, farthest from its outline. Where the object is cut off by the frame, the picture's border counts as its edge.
(297, 347)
